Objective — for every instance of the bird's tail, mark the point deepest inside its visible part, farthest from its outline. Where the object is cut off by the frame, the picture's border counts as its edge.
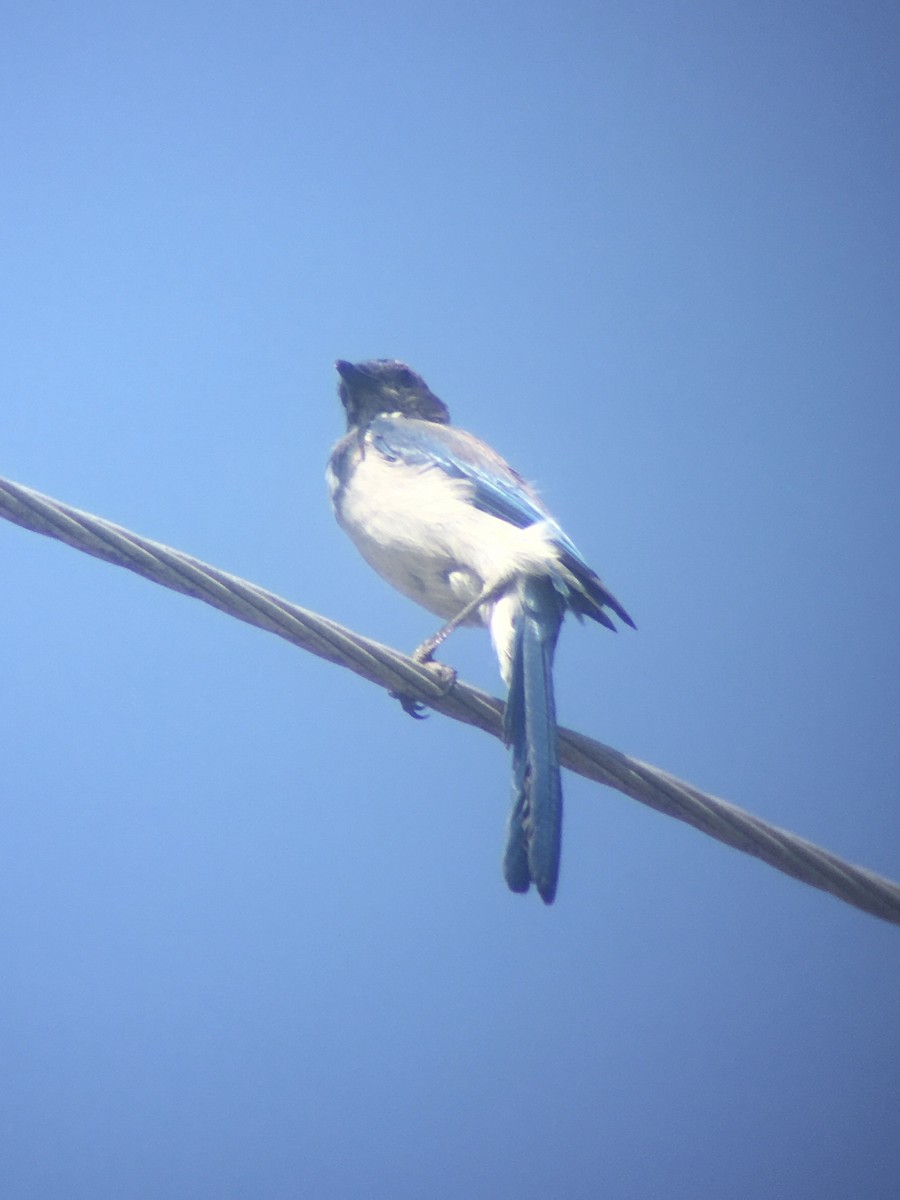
(535, 823)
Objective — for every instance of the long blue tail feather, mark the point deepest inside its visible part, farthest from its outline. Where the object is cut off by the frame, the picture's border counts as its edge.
(535, 823)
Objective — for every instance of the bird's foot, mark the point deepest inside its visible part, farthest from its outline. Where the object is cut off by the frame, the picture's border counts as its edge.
(443, 676)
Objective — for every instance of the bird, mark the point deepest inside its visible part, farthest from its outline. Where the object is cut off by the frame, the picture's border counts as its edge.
(448, 522)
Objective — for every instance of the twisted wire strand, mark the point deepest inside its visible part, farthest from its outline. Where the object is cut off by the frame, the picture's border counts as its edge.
(429, 685)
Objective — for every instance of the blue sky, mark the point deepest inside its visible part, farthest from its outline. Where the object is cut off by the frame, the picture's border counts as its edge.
(254, 934)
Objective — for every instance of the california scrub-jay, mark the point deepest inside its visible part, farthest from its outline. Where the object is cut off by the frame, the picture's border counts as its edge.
(443, 518)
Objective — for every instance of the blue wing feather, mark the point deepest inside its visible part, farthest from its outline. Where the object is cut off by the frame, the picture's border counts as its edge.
(496, 489)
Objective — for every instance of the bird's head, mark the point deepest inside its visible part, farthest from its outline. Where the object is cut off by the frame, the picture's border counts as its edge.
(383, 385)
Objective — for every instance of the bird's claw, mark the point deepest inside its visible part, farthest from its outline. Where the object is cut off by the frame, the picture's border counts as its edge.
(443, 676)
(413, 708)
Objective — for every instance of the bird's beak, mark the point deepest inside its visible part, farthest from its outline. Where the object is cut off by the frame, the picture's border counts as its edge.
(347, 370)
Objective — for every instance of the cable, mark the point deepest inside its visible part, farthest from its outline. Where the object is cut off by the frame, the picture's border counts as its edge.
(437, 687)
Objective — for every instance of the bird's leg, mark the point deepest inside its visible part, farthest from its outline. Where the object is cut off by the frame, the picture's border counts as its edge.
(425, 652)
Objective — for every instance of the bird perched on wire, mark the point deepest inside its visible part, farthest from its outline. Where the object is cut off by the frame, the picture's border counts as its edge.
(445, 520)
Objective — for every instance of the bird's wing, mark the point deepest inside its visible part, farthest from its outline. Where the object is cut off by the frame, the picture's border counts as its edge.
(496, 489)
